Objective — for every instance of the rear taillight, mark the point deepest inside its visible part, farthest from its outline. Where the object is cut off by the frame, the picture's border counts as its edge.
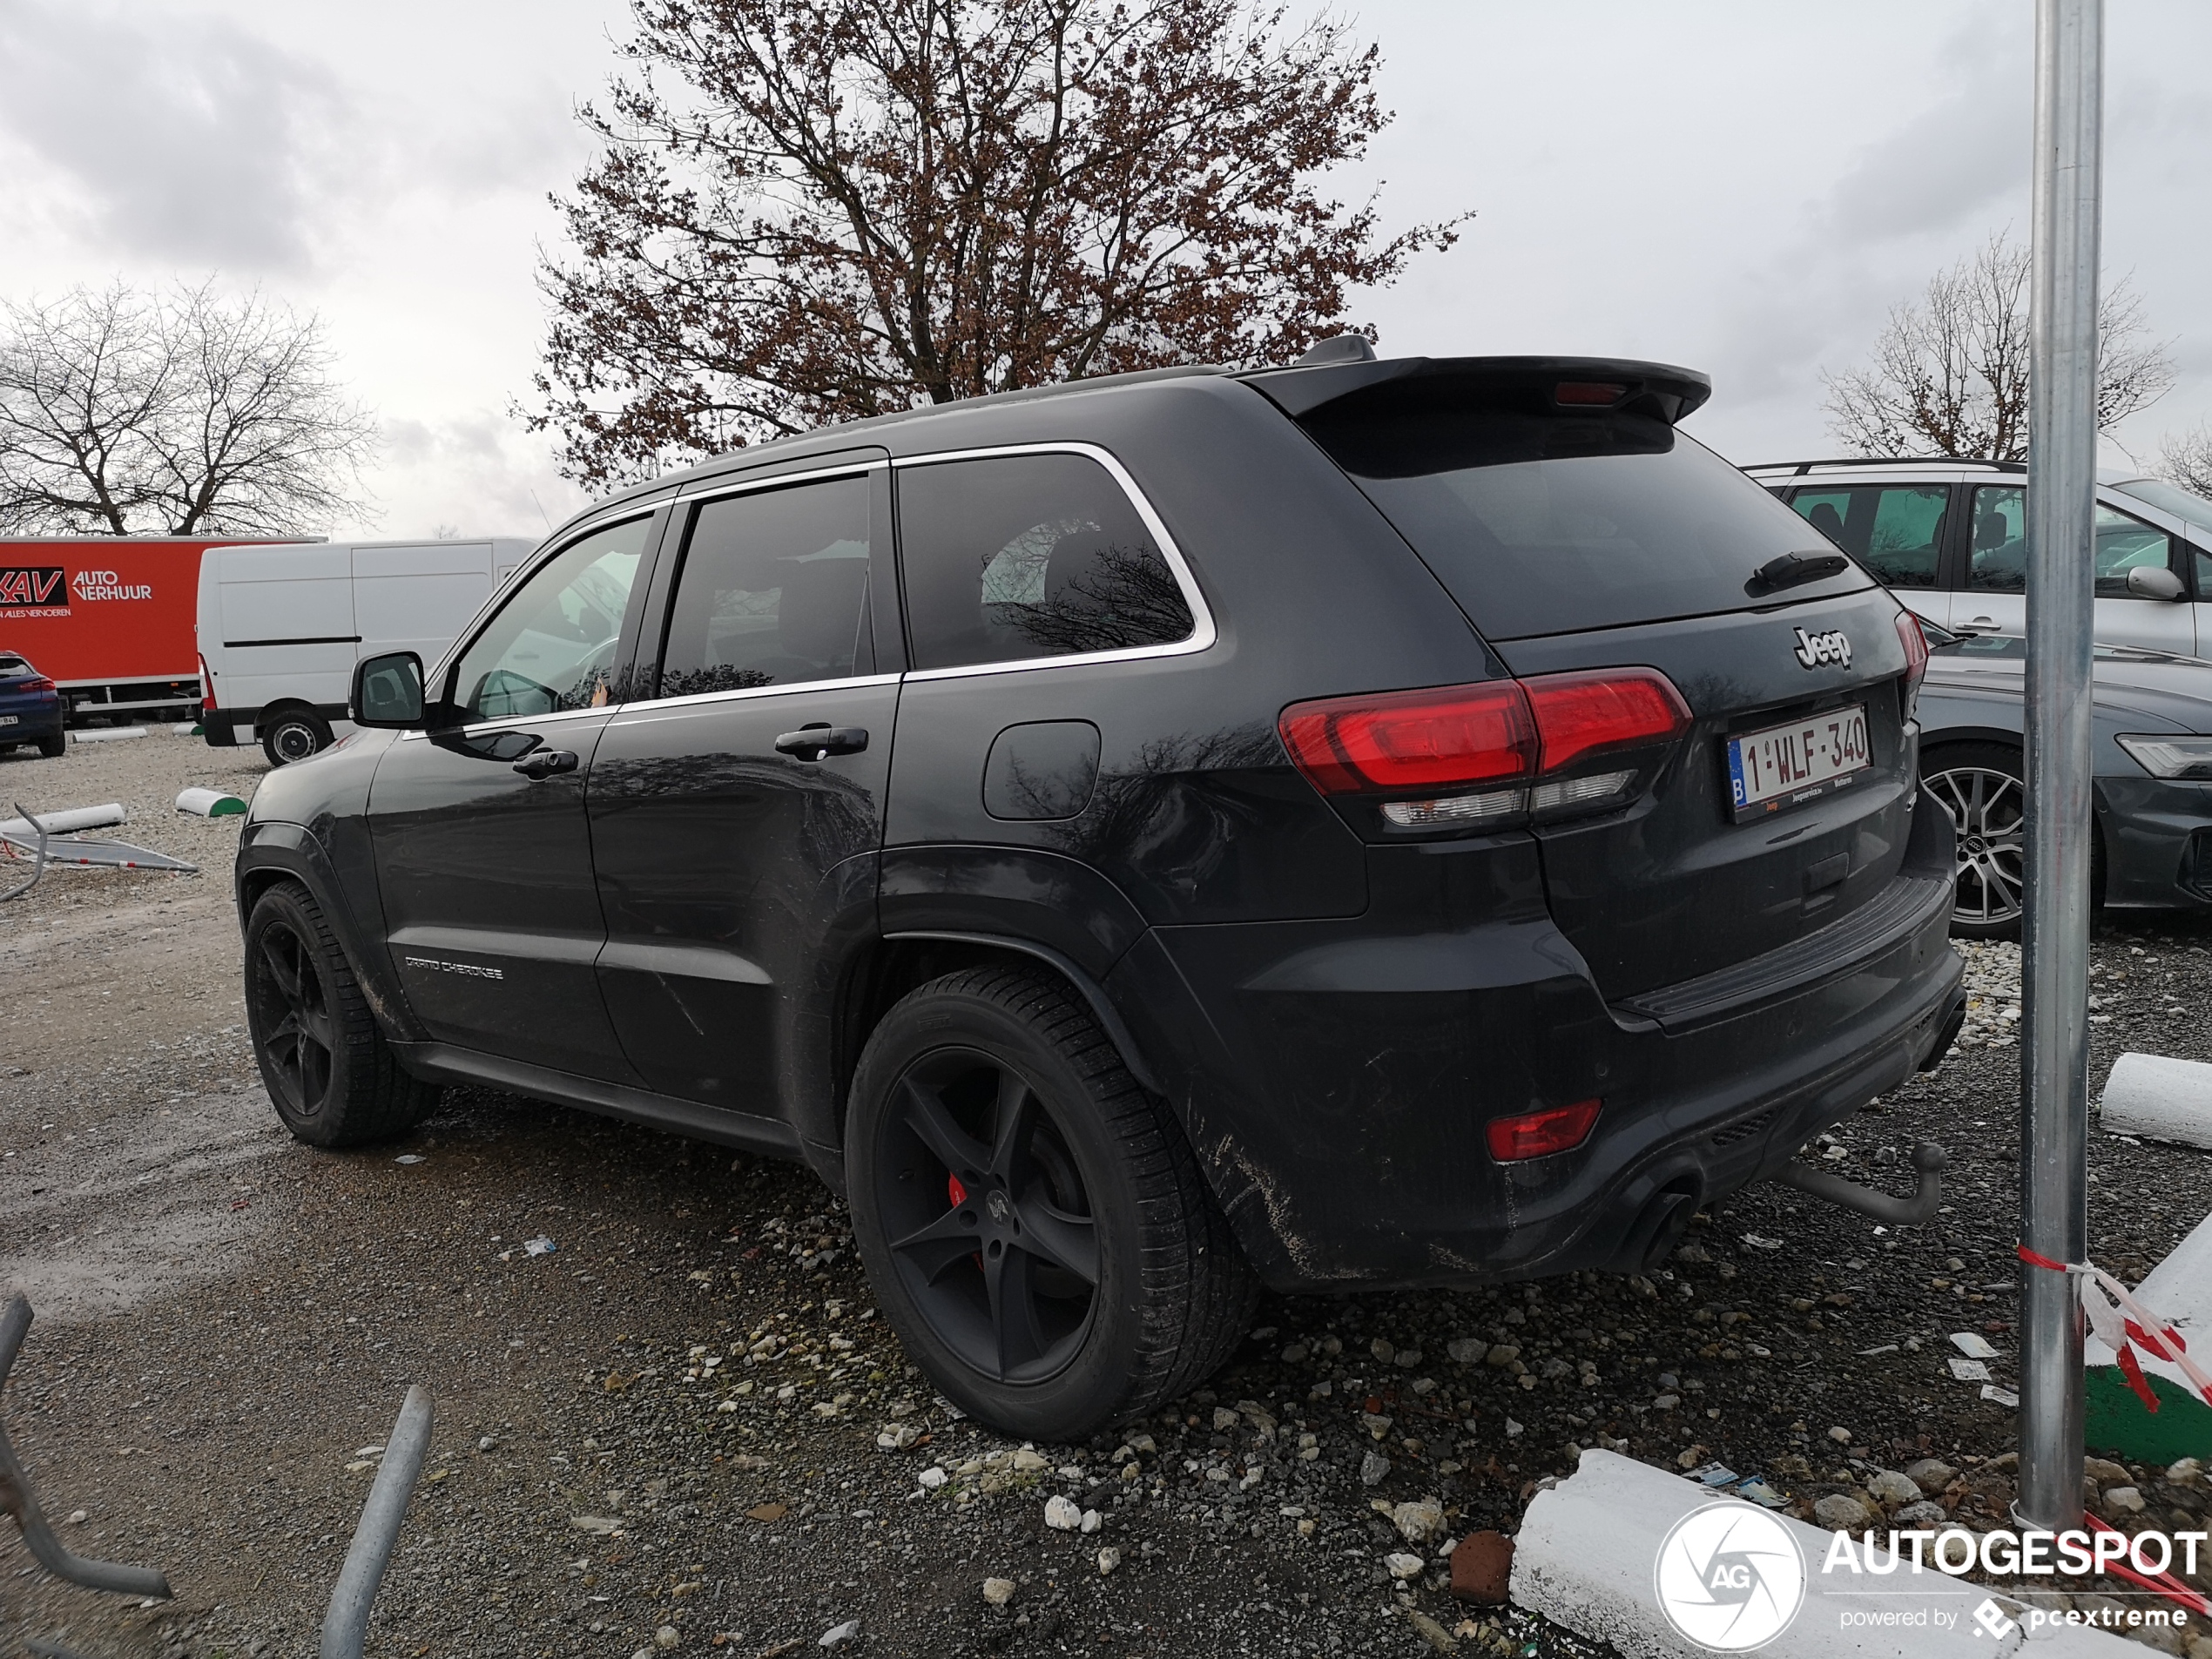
(1538, 1135)
(1916, 658)
(207, 686)
(1460, 738)
(1470, 755)
(35, 683)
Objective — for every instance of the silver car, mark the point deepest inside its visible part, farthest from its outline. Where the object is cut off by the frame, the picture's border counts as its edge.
(1949, 538)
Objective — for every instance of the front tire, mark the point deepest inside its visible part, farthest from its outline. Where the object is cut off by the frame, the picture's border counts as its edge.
(1034, 1225)
(329, 1069)
(295, 735)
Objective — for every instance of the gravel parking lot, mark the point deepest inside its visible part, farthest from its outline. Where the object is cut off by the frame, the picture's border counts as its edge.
(668, 1419)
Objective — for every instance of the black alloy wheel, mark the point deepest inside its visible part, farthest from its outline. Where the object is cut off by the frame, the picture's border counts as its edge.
(330, 1075)
(1983, 787)
(990, 1226)
(294, 1035)
(1033, 1222)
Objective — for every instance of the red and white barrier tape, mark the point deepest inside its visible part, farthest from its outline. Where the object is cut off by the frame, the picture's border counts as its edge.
(2126, 1326)
(2122, 1328)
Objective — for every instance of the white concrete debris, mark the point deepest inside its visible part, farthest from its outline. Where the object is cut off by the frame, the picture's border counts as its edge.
(2159, 1099)
(1061, 1514)
(1587, 1549)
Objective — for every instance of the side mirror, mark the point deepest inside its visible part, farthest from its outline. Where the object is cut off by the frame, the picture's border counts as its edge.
(2153, 582)
(388, 692)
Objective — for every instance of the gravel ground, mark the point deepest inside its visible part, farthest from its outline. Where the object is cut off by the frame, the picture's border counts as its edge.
(684, 1428)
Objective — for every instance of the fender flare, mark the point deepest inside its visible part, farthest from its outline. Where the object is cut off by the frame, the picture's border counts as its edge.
(1094, 995)
(273, 850)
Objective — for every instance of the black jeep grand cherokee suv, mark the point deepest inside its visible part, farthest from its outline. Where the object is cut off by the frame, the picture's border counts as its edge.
(1379, 823)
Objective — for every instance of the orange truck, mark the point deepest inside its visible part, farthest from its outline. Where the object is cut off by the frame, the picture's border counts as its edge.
(110, 619)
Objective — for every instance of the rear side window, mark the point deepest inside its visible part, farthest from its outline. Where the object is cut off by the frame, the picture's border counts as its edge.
(773, 590)
(1012, 558)
(1544, 524)
(1895, 530)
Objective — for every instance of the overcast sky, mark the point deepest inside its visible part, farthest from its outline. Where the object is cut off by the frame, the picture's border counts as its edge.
(1745, 188)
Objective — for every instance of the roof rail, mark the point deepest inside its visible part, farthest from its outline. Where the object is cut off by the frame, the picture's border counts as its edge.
(1799, 469)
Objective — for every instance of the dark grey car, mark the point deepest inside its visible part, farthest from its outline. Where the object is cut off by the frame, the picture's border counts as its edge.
(2154, 775)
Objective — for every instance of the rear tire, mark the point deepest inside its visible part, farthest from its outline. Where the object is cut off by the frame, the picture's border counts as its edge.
(1033, 1223)
(54, 748)
(1983, 785)
(295, 735)
(329, 1069)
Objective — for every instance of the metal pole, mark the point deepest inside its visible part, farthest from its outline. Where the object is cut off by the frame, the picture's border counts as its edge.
(345, 1623)
(2061, 481)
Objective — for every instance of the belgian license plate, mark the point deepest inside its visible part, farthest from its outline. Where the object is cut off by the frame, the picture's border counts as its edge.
(1788, 765)
(6, 719)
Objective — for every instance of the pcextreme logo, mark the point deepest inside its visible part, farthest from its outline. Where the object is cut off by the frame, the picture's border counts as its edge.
(1729, 1577)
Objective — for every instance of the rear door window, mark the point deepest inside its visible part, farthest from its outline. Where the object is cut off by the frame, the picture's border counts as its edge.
(773, 591)
(1539, 524)
(1895, 530)
(1006, 558)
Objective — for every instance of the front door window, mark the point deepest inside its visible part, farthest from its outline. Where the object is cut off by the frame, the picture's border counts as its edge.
(2000, 562)
(551, 647)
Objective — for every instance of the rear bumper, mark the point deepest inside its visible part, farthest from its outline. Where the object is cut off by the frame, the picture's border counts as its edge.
(1343, 1074)
(31, 725)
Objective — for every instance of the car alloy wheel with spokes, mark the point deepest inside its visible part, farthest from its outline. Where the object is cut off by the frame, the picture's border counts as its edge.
(1987, 800)
(995, 1243)
(329, 1070)
(1033, 1222)
(294, 1031)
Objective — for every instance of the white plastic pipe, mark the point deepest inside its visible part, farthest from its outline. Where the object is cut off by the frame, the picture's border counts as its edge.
(2159, 1099)
(68, 819)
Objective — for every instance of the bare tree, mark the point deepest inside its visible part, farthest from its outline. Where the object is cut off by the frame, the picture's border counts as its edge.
(181, 411)
(2185, 460)
(1949, 375)
(811, 211)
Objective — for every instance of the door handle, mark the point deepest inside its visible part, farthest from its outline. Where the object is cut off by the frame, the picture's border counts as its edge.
(543, 762)
(814, 742)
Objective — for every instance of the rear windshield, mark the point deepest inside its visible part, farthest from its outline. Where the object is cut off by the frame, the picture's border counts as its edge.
(1543, 524)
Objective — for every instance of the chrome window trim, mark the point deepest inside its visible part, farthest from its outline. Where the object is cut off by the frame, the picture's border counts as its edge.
(713, 489)
(1203, 633)
(510, 722)
(644, 706)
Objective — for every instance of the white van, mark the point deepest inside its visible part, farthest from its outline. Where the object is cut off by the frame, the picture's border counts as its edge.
(280, 628)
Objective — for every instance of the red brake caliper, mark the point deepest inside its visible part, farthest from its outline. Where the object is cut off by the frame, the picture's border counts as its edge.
(958, 1194)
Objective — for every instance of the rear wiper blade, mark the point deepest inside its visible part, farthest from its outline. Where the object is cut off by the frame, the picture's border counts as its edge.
(1792, 569)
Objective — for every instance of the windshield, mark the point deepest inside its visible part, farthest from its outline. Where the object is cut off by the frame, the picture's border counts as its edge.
(1543, 524)
(2169, 499)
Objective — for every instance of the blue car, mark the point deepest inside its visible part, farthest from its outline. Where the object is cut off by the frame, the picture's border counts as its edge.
(2153, 775)
(30, 709)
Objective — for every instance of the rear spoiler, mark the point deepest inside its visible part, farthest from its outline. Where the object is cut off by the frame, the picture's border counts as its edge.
(1573, 385)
